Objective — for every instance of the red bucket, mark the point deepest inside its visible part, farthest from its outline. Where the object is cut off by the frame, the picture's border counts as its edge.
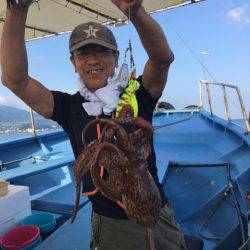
(19, 237)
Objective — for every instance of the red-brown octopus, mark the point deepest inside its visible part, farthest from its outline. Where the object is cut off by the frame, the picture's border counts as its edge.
(124, 156)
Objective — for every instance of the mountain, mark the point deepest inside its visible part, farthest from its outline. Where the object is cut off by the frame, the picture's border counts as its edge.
(11, 114)
(16, 120)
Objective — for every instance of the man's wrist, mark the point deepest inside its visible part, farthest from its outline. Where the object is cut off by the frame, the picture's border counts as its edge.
(17, 13)
(16, 18)
(18, 4)
(139, 14)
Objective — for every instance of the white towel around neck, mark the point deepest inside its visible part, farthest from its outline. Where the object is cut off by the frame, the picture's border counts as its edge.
(103, 100)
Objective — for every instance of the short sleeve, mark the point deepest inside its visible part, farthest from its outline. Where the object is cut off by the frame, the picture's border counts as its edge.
(61, 111)
(146, 102)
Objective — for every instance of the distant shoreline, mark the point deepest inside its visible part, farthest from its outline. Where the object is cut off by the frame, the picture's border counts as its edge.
(8, 137)
(5, 137)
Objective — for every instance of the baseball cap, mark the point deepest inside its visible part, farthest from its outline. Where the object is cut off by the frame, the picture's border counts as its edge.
(91, 33)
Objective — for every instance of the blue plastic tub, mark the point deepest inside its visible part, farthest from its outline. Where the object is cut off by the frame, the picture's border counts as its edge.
(45, 221)
(49, 229)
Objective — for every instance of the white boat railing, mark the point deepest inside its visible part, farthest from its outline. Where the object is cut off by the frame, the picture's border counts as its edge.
(223, 87)
(32, 122)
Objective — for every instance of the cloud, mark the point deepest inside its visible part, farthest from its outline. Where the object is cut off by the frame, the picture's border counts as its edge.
(2, 101)
(239, 14)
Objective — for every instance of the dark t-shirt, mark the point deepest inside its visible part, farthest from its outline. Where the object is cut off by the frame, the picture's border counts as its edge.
(69, 113)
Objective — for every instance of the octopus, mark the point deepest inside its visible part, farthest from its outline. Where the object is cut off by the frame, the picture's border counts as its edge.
(123, 155)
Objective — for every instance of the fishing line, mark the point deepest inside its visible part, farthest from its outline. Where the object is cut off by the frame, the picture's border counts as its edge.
(129, 19)
(132, 62)
(198, 59)
(190, 49)
(236, 106)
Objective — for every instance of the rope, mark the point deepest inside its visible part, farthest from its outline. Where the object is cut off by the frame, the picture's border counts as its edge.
(172, 123)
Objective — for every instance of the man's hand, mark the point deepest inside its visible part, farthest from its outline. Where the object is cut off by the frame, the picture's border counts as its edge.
(155, 72)
(125, 5)
(18, 4)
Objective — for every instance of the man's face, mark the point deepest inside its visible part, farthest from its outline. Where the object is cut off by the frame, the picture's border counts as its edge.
(95, 64)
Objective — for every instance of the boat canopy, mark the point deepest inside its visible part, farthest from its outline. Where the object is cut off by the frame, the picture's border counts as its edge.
(54, 17)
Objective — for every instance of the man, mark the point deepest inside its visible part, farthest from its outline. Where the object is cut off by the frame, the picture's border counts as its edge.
(94, 55)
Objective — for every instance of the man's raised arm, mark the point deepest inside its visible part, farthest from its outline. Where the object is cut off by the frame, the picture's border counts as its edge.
(14, 63)
(154, 42)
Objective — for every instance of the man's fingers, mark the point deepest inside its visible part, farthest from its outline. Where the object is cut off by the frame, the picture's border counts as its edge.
(9, 3)
(16, 4)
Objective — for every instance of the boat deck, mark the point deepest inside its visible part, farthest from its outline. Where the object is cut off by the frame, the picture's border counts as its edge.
(75, 236)
(193, 151)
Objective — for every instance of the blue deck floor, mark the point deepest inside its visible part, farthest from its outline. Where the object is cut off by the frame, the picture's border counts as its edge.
(71, 236)
(195, 192)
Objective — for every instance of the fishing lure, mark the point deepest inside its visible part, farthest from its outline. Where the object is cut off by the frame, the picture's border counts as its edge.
(129, 98)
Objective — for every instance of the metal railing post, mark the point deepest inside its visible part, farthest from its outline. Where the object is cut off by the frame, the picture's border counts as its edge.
(201, 99)
(226, 103)
(243, 109)
(224, 85)
(32, 122)
(209, 97)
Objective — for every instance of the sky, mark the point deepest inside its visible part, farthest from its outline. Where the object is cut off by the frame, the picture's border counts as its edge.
(219, 27)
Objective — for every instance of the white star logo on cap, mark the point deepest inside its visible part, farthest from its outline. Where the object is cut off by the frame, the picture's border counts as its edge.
(91, 32)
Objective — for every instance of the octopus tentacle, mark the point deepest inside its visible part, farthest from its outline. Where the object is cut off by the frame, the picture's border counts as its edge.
(82, 163)
(139, 122)
(142, 146)
(151, 238)
(142, 199)
(110, 157)
(93, 123)
(78, 190)
(141, 136)
(107, 133)
(80, 168)
(126, 111)
(121, 134)
(109, 122)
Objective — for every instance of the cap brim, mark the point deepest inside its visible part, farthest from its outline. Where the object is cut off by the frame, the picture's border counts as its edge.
(92, 41)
